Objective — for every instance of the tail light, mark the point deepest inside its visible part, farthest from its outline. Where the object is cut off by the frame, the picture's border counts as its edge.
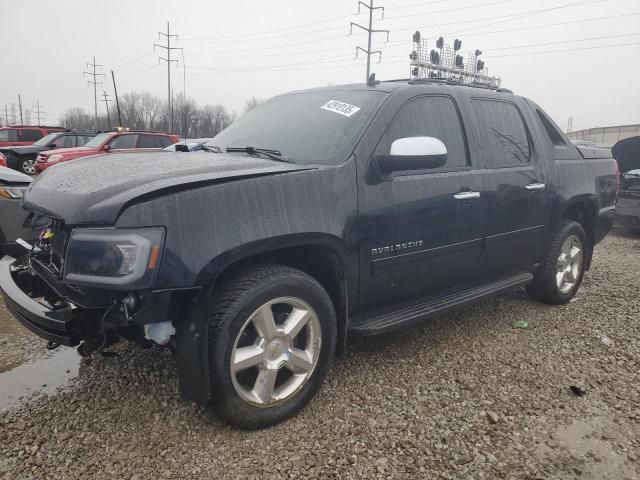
(3, 160)
(618, 174)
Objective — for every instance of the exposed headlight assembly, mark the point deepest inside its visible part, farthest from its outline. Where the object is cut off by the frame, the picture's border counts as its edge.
(12, 192)
(119, 258)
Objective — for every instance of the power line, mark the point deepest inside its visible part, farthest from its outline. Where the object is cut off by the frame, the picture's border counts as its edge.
(564, 50)
(370, 31)
(95, 84)
(168, 48)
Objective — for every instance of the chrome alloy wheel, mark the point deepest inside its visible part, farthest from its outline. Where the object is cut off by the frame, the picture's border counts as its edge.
(275, 352)
(569, 265)
(29, 166)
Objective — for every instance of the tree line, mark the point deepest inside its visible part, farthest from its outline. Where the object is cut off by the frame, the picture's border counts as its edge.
(143, 111)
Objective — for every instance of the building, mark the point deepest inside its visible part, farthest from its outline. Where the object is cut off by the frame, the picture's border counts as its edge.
(606, 135)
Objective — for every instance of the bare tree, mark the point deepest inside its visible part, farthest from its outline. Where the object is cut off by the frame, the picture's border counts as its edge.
(252, 103)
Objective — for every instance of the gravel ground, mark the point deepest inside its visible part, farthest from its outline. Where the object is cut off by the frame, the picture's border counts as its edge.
(465, 396)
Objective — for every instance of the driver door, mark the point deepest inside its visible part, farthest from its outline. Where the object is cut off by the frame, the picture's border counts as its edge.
(421, 230)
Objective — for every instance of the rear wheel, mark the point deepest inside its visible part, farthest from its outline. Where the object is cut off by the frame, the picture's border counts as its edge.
(561, 271)
(272, 341)
(27, 165)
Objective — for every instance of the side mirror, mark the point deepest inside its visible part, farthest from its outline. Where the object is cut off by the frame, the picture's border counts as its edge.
(413, 153)
(106, 148)
(53, 145)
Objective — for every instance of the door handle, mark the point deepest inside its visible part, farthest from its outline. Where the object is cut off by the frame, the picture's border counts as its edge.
(536, 186)
(466, 195)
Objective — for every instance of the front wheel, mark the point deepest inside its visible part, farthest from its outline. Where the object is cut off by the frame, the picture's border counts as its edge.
(27, 165)
(272, 341)
(561, 271)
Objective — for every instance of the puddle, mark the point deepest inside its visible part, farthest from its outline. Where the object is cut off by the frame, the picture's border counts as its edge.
(44, 375)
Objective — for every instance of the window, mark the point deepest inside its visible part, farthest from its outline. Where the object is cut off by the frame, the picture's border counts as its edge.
(124, 141)
(8, 136)
(552, 130)
(163, 141)
(82, 140)
(149, 141)
(30, 135)
(66, 141)
(505, 142)
(429, 117)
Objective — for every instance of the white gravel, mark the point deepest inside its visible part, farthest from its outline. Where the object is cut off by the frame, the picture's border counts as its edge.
(465, 396)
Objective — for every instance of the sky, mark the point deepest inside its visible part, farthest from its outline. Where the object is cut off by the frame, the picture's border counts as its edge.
(575, 58)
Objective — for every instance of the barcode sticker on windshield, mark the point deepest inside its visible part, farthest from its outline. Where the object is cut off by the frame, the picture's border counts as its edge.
(340, 108)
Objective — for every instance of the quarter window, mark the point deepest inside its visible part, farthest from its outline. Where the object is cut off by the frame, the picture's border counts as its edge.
(503, 134)
(430, 116)
(30, 135)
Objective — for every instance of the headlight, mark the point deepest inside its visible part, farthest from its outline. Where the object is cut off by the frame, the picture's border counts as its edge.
(12, 192)
(53, 158)
(120, 258)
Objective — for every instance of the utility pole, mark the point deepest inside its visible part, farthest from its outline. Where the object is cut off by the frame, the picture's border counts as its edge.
(370, 31)
(168, 49)
(106, 104)
(95, 84)
(38, 112)
(6, 115)
(185, 129)
(20, 107)
(115, 91)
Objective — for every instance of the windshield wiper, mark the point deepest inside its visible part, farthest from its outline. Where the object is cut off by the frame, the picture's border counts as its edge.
(272, 154)
(211, 148)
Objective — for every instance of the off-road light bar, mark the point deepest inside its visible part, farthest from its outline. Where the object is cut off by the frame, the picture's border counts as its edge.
(448, 63)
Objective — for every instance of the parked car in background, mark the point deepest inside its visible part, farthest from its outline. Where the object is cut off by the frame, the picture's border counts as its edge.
(191, 145)
(349, 210)
(627, 153)
(24, 135)
(108, 142)
(12, 216)
(23, 158)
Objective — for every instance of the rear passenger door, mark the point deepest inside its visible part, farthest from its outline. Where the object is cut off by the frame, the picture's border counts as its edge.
(515, 190)
(421, 231)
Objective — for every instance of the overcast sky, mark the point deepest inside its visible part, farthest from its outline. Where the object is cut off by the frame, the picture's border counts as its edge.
(242, 48)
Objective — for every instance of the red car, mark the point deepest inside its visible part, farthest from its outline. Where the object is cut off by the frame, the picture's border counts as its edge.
(22, 135)
(110, 142)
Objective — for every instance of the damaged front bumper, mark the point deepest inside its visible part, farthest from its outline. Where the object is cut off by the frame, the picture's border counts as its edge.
(66, 316)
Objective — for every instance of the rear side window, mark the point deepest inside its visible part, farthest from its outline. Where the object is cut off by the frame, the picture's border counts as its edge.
(149, 141)
(431, 116)
(552, 130)
(504, 138)
(124, 141)
(30, 135)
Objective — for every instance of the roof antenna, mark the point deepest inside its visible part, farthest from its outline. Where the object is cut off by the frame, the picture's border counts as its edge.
(372, 82)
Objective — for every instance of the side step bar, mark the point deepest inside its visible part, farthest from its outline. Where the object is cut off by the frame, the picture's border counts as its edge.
(432, 306)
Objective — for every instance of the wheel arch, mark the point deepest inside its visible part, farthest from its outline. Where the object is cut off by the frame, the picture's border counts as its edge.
(583, 210)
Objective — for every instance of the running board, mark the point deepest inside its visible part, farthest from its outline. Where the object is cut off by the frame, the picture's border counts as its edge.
(435, 305)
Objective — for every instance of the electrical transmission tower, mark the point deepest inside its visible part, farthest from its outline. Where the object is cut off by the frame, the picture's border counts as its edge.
(95, 84)
(168, 48)
(370, 30)
(106, 104)
(37, 111)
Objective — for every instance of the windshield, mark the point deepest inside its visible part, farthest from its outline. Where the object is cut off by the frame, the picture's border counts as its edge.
(308, 128)
(45, 140)
(98, 140)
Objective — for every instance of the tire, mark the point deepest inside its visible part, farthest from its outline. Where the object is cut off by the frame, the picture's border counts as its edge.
(239, 318)
(560, 273)
(27, 165)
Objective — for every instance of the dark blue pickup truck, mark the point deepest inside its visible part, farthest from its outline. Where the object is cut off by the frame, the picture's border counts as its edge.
(349, 210)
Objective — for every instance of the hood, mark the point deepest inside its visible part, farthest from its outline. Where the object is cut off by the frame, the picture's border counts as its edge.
(57, 151)
(9, 177)
(96, 189)
(25, 150)
(627, 153)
